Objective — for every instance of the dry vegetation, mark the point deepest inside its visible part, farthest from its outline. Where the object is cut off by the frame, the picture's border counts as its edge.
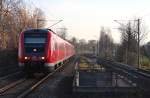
(15, 16)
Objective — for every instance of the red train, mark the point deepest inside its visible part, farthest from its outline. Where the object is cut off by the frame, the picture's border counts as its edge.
(41, 50)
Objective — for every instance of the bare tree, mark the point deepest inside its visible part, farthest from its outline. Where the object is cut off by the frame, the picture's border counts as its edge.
(130, 31)
(105, 44)
(74, 41)
(38, 17)
(92, 47)
(127, 52)
(16, 17)
(62, 32)
(82, 46)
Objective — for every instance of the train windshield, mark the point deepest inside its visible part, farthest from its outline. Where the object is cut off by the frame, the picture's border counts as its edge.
(35, 40)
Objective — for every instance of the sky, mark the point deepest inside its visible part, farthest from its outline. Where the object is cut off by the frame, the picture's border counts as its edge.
(84, 18)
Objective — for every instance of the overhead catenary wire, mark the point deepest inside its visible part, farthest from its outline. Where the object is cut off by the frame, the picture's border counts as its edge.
(141, 11)
(53, 17)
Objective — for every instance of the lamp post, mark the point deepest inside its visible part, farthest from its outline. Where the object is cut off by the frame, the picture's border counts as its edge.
(97, 46)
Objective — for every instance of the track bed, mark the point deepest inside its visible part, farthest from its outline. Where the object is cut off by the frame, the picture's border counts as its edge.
(93, 78)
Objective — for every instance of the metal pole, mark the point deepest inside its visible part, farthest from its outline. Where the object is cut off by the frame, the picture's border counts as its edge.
(97, 48)
(1, 12)
(138, 50)
(37, 22)
(138, 35)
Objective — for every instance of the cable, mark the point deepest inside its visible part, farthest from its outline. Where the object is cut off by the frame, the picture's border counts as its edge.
(145, 15)
(33, 4)
(139, 11)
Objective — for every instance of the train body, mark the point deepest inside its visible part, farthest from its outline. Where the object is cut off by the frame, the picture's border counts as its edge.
(41, 50)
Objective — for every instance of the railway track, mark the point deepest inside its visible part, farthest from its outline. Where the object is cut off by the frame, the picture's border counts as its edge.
(16, 88)
(58, 86)
(9, 75)
(139, 76)
(24, 86)
(4, 72)
(29, 90)
(6, 80)
(7, 67)
(11, 85)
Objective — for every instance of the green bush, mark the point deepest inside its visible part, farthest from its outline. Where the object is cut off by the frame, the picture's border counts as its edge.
(145, 62)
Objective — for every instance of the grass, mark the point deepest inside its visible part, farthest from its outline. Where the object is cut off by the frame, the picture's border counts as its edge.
(145, 62)
(83, 63)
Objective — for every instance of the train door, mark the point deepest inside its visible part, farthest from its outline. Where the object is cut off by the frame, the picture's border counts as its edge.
(56, 49)
(53, 50)
(64, 51)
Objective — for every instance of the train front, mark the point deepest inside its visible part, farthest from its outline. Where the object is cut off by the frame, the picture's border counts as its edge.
(33, 50)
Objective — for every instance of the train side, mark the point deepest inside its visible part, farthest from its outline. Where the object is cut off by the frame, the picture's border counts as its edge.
(59, 51)
(42, 50)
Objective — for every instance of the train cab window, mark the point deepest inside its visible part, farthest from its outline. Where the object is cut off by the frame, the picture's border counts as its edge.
(35, 40)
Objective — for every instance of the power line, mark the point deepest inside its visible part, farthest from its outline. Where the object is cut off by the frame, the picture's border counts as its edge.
(139, 11)
(33, 4)
(49, 13)
(145, 15)
(141, 16)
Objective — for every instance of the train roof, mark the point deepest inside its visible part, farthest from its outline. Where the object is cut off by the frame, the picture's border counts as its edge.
(43, 31)
(36, 30)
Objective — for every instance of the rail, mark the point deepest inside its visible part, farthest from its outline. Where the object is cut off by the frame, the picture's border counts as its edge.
(139, 76)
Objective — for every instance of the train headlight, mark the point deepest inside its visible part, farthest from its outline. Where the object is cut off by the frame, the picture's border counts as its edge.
(42, 58)
(35, 50)
(25, 58)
